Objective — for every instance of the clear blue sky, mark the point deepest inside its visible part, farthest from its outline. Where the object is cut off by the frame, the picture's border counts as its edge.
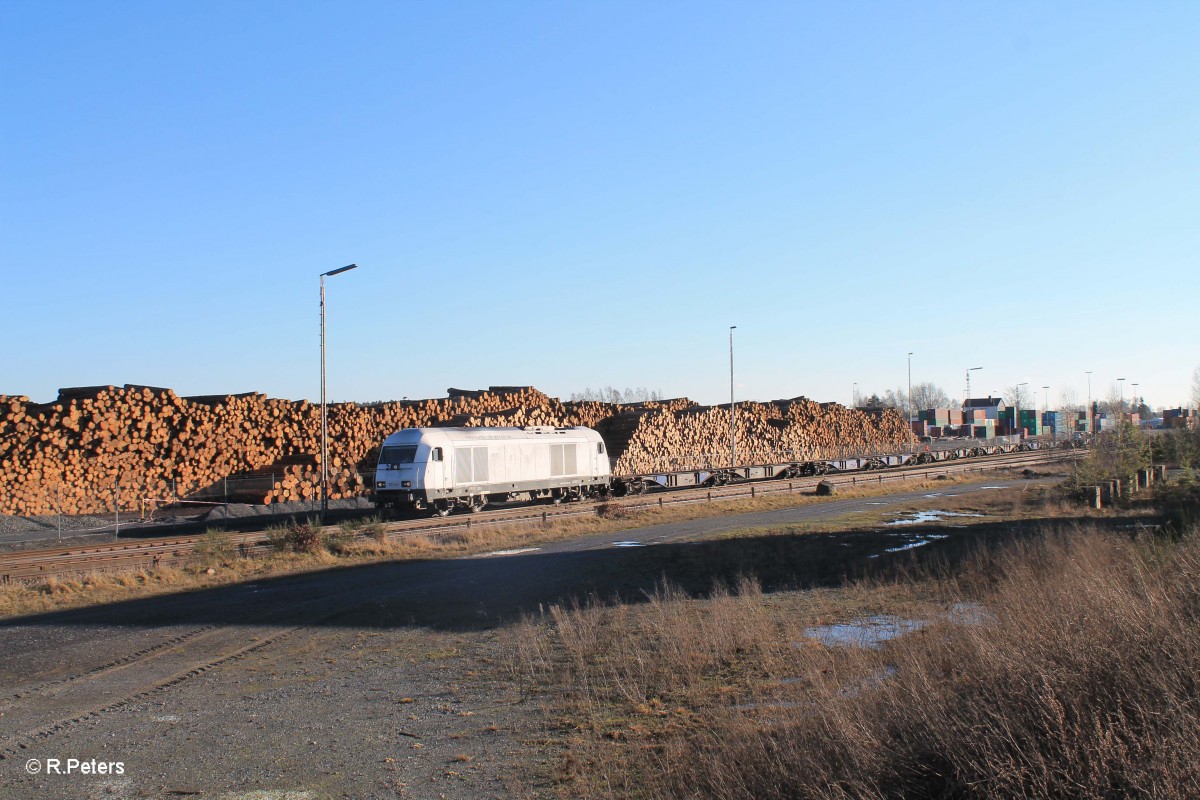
(582, 194)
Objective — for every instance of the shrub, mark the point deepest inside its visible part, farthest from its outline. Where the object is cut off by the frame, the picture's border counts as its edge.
(215, 547)
(374, 528)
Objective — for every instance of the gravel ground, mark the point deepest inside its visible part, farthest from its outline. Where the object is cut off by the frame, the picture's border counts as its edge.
(335, 714)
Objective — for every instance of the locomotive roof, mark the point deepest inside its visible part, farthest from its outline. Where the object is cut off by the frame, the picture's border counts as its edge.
(532, 433)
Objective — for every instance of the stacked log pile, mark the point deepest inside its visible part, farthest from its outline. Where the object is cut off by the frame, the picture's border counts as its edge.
(95, 448)
(698, 437)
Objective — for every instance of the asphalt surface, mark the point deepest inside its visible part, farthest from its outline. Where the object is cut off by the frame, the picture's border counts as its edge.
(368, 681)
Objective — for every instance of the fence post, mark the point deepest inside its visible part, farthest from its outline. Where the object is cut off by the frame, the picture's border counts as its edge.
(751, 491)
(117, 508)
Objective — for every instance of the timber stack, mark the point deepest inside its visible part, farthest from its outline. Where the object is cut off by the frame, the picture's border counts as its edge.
(98, 448)
(698, 437)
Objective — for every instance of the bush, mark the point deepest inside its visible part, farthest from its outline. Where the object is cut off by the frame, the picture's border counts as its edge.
(214, 548)
(612, 511)
(374, 528)
(340, 541)
(1119, 454)
(306, 537)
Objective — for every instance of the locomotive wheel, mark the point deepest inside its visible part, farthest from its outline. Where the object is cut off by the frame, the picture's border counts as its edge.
(476, 504)
(441, 509)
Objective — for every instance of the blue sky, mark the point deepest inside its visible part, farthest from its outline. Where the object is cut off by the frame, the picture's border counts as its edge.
(583, 194)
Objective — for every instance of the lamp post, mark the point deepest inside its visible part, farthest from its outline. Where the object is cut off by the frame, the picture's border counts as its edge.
(969, 371)
(1091, 421)
(1017, 413)
(910, 400)
(732, 407)
(854, 396)
(1046, 398)
(324, 419)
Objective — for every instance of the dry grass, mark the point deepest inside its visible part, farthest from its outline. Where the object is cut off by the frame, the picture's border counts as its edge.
(1077, 678)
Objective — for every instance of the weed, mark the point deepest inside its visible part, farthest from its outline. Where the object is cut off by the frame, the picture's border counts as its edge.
(214, 548)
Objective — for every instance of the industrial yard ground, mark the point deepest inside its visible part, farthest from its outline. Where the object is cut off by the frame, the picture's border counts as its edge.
(1036, 649)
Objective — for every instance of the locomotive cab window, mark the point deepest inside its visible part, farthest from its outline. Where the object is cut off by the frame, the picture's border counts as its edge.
(436, 454)
(600, 448)
(394, 457)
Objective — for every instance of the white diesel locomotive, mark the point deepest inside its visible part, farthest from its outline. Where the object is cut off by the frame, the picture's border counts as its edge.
(441, 469)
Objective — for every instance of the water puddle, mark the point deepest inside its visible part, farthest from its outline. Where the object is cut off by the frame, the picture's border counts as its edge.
(917, 517)
(515, 551)
(628, 544)
(867, 632)
(916, 543)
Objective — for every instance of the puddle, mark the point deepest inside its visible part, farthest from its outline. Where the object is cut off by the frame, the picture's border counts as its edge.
(981, 488)
(917, 517)
(513, 552)
(867, 632)
(870, 503)
(166, 718)
(917, 543)
(628, 544)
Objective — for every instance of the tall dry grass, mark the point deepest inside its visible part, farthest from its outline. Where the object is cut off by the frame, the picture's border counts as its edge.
(1075, 674)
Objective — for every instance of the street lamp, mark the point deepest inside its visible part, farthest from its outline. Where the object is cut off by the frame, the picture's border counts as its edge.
(1017, 412)
(732, 407)
(324, 419)
(1047, 400)
(910, 402)
(969, 371)
(1091, 421)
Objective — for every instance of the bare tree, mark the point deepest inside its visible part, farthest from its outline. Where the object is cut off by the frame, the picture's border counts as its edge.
(1068, 401)
(925, 395)
(1018, 396)
(928, 395)
(1114, 403)
(608, 394)
(1196, 388)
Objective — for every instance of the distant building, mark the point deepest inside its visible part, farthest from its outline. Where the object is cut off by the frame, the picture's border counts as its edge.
(983, 408)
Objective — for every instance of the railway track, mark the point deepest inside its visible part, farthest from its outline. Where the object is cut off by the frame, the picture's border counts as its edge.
(39, 565)
(41, 711)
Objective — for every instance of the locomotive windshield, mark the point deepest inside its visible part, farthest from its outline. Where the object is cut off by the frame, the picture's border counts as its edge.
(395, 456)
